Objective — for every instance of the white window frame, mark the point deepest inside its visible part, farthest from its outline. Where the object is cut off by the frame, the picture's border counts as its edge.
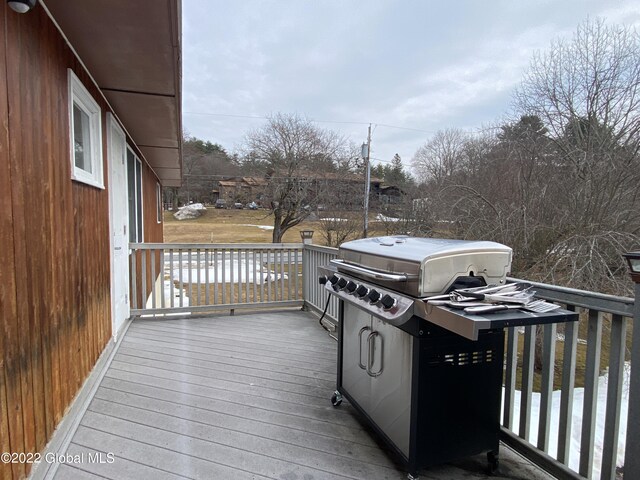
(81, 97)
(159, 205)
(133, 222)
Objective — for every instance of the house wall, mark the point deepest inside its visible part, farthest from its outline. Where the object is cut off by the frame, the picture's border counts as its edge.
(55, 314)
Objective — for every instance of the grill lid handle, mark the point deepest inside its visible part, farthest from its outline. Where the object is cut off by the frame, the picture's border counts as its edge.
(372, 274)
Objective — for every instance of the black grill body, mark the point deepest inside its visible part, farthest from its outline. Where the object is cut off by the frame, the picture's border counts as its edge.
(455, 396)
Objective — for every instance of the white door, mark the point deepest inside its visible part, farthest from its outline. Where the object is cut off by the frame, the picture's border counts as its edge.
(119, 221)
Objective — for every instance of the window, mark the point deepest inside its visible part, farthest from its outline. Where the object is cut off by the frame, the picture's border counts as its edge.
(86, 134)
(134, 182)
(158, 203)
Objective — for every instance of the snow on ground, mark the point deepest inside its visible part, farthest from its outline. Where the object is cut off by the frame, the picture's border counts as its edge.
(578, 401)
(196, 206)
(382, 218)
(193, 210)
(168, 292)
(263, 227)
(332, 219)
(243, 270)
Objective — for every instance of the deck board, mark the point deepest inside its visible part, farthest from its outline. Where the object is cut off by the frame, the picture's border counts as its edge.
(243, 396)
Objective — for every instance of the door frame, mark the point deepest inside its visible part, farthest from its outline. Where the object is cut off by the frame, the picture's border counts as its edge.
(112, 123)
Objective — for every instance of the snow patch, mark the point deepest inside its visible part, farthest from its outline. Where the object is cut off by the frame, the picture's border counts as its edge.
(242, 270)
(262, 227)
(189, 211)
(576, 421)
(383, 218)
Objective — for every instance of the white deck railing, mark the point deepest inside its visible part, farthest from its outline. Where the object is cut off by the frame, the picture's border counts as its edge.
(198, 278)
(542, 424)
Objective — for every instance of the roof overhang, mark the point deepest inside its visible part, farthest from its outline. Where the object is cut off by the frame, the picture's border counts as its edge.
(132, 50)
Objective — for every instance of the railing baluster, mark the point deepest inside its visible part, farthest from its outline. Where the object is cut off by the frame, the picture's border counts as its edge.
(143, 269)
(134, 279)
(546, 395)
(162, 274)
(281, 255)
(269, 275)
(180, 282)
(289, 273)
(216, 299)
(297, 267)
(306, 255)
(224, 276)
(566, 393)
(528, 354)
(589, 409)
(241, 269)
(246, 276)
(261, 273)
(207, 282)
(239, 276)
(154, 282)
(510, 376)
(189, 277)
(614, 396)
(171, 284)
(198, 276)
(255, 278)
(232, 265)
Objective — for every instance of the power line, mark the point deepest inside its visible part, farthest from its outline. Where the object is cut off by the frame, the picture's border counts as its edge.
(259, 117)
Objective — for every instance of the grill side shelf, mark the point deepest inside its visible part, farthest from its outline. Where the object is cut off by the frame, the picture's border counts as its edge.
(470, 325)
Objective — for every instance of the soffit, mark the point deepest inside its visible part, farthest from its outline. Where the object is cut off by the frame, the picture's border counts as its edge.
(132, 49)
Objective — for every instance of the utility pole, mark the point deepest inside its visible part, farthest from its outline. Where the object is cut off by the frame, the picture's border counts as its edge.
(366, 154)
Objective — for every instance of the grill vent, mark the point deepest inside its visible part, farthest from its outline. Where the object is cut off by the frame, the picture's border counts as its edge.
(460, 359)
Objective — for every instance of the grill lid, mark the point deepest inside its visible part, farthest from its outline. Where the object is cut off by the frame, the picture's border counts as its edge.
(424, 266)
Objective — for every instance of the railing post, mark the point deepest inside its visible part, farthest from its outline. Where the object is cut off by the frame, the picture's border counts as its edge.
(632, 448)
(305, 274)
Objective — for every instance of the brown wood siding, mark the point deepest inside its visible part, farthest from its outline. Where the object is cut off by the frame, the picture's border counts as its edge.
(152, 229)
(55, 311)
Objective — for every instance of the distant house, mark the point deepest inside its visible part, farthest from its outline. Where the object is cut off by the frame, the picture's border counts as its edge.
(89, 133)
(247, 189)
(240, 189)
(385, 194)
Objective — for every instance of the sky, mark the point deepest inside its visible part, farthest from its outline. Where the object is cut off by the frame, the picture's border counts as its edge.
(410, 67)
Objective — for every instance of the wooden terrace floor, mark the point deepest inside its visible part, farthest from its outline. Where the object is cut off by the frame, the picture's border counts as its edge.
(236, 397)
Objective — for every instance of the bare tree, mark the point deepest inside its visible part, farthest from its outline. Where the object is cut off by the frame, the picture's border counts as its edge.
(440, 157)
(587, 92)
(293, 151)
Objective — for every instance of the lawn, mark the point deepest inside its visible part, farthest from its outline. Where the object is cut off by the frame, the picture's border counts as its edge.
(231, 226)
(238, 226)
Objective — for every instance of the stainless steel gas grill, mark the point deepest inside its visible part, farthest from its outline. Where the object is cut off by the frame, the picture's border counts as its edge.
(427, 377)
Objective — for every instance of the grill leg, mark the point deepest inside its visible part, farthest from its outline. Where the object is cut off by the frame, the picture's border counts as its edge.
(493, 457)
(336, 399)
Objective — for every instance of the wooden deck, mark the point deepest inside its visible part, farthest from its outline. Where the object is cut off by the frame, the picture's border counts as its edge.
(235, 397)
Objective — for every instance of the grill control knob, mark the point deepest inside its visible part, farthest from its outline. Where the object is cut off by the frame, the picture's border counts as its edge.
(361, 291)
(373, 296)
(388, 302)
(342, 283)
(351, 287)
(322, 279)
(334, 279)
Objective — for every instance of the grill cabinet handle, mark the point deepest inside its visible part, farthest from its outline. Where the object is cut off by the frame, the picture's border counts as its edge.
(360, 364)
(373, 274)
(372, 354)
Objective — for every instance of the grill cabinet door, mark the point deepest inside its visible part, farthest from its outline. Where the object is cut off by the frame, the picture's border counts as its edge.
(355, 380)
(390, 403)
